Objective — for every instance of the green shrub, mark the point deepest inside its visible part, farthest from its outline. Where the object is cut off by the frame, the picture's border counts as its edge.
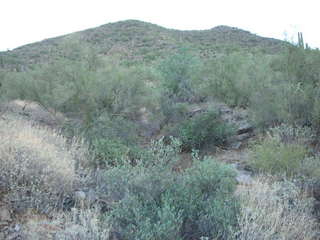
(109, 152)
(180, 72)
(149, 201)
(273, 156)
(80, 89)
(292, 95)
(203, 130)
(172, 111)
(113, 140)
(234, 78)
(284, 151)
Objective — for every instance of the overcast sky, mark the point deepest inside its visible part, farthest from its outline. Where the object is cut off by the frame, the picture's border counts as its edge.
(26, 21)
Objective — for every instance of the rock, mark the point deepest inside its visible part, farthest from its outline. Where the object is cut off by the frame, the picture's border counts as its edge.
(5, 215)
(242, 137)
(237, 140)
(17, 228)
(236, 145)
(91, 196)
(115, 236)
(316, 191)
(244, 127)
(225, 110)
(80, 196)
(195, 110)
(316, 209)
(14, 236)
(244, 178)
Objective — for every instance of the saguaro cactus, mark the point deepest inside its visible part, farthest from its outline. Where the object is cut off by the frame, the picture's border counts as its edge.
(300, 40)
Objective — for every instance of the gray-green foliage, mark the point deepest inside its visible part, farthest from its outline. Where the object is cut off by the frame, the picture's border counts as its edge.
(180, 73)
(234, 78)
(279, 88)
(81, 83)
(293, 94)
(203, 130)
(285, 151)
(152, 202)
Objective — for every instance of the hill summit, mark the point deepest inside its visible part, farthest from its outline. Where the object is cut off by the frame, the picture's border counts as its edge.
(142, 41)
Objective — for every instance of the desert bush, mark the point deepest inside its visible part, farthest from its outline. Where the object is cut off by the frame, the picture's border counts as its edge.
(80, 89)
(309, 169)
(292, 96)
(112, 140)
(284, 102)
(103, 102)
(204, 129)
(38, 167)
(275, 157)
(149, 201)
(285, 151)
(172, 111)
(266, 106)
(275, 210)
(293, 134)
(234, 78)
(299, 65)
(180, 72)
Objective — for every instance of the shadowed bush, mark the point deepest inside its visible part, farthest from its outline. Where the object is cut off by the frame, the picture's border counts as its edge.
(203, 130)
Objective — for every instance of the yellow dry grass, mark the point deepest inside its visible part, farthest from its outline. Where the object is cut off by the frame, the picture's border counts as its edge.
(36, 163)
(275, 210)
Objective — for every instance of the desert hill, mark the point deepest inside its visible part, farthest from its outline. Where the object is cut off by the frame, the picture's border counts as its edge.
(141, 41)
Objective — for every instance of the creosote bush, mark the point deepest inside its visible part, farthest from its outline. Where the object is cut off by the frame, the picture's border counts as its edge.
(150, 201)
(180, 73)
(285, 151)
(273, 156)
(203, 130)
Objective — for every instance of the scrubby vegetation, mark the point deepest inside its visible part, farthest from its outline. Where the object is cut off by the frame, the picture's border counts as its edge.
(110, 168)
(157, 203)
(38, 167)
(203, 130)
(275, 210)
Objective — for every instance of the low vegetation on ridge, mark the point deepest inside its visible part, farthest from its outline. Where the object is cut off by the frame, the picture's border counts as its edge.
(96, 129)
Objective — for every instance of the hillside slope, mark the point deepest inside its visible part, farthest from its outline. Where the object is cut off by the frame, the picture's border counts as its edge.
(140, 41)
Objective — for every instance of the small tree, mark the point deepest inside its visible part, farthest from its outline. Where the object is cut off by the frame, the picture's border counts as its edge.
(179, 72)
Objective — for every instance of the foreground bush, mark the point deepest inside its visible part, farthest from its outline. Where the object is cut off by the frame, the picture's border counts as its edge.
(37, 166)
(275, 210)
(152, 202)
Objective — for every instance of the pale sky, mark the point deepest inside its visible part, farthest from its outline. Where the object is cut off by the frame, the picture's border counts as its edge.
(27, 21)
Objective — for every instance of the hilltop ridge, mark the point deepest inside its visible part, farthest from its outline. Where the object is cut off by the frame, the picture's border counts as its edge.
(141, 41)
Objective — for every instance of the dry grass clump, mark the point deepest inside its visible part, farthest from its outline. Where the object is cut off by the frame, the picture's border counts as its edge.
(33, 111)
(76, 224)
(274, 211)
(37, 166)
